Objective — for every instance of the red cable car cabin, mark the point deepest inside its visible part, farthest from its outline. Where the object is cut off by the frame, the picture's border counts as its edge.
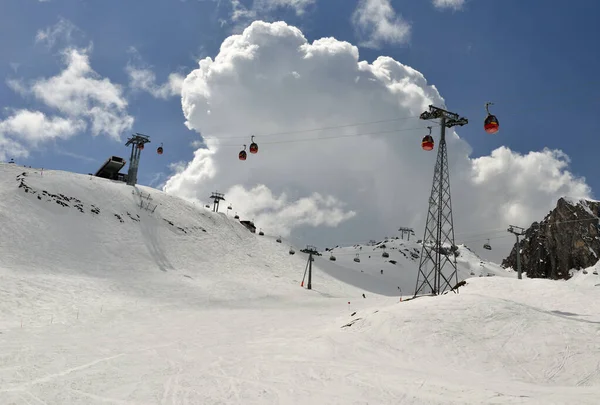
(253, 146)
(243, 154)
(140, 146)
(491, 124)
(427, 143)
(160, 149)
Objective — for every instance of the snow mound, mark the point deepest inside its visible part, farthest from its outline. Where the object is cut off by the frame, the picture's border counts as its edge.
(538, 333)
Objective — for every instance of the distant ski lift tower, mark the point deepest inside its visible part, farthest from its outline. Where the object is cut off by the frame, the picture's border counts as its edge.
(137, 142)
(406, 230)
(310, 250)
(216, 197)
(517, 231)
(439, 229)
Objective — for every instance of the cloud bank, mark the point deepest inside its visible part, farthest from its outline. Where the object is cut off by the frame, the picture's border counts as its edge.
(319, 163)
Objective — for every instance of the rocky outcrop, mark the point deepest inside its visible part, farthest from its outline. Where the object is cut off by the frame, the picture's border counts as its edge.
(567, 238)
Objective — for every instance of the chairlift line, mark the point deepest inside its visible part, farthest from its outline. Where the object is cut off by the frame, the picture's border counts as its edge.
(356, 124)
(326, 128)
(315, 139)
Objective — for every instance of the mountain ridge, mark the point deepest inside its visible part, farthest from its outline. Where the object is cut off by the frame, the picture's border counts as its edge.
(566, 239)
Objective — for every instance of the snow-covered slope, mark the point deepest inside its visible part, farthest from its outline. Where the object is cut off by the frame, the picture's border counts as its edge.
(400, 267)
(104, 299)
(75, 241)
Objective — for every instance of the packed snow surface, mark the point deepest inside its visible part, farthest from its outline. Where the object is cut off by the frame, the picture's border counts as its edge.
(111, 297)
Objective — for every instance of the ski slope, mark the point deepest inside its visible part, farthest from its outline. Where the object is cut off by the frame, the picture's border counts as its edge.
(400, 268)
(110, 297)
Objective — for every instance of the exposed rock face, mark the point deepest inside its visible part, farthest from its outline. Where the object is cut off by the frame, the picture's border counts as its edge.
(567, 238)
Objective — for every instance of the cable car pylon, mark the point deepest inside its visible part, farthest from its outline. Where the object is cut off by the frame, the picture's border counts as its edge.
(438, 248)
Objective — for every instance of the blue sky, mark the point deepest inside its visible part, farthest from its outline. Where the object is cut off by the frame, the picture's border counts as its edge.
(537, 63)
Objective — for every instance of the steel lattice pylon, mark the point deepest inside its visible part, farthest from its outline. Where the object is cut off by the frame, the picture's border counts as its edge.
(137, 142)
(438, 248)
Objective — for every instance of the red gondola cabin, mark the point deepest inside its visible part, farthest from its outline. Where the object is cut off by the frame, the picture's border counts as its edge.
(243, 154)
(253, 146)
(427, 143)
(491, 124)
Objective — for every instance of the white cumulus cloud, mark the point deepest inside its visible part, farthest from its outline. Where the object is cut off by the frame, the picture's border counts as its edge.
(279, 215)
(449, 4)
(81, 99)
(377, 23)
(142, 78)
(321, 165)
(524, 185)
(79, 92)
(35, 127)
(62, 32)
(26, 128)
(263, 9)
(10, 149)
(298, 6)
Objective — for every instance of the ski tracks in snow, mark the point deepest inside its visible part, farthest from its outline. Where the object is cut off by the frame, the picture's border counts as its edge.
(588, 377)
(24, 388)
(565, 355)
(63, 373)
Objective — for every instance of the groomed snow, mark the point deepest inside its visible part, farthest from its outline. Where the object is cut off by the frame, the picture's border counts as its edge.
(96, 311)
